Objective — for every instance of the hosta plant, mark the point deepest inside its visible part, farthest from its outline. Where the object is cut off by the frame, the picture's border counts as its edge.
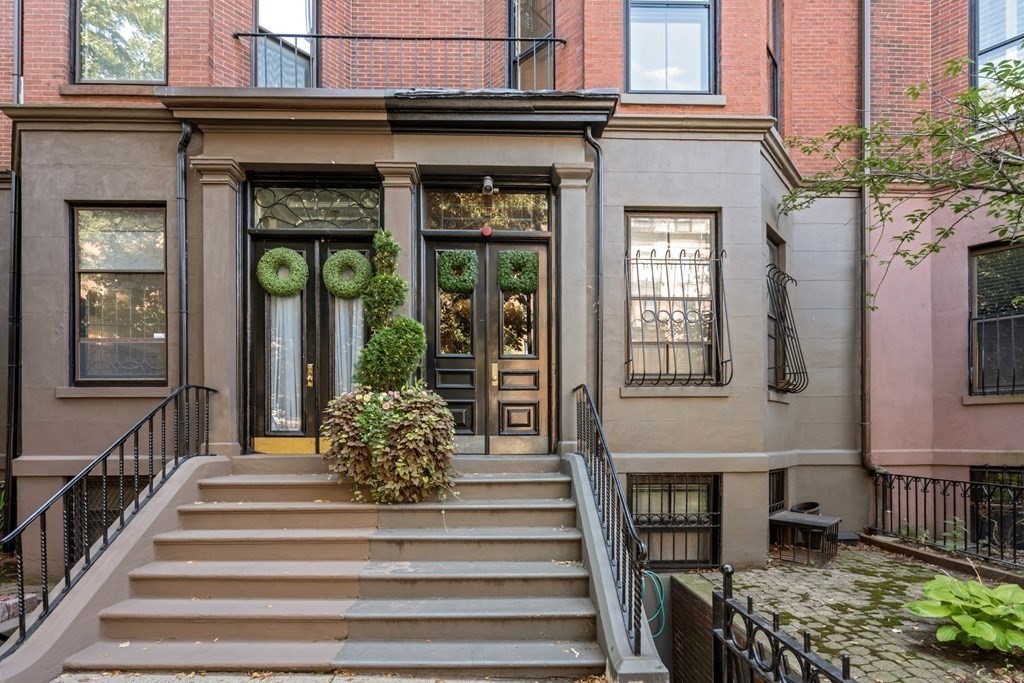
(979, 616)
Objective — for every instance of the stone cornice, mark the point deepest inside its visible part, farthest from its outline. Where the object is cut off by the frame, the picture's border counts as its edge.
(218, 171)
(399, 173)
(774, 149)
(687, 126)
(571, 175)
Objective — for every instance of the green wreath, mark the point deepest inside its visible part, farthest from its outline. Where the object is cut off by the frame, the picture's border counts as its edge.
(334, 274)
(273, 261)
(456, 271)
(517, 272)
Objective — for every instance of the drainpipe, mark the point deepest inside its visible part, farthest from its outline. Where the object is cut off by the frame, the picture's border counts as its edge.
(865, 203)
(598, 272)
(186, 137)
(18, 30)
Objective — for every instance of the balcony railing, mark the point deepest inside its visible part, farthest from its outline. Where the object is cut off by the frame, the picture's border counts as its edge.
(997, 353)
(319, 60)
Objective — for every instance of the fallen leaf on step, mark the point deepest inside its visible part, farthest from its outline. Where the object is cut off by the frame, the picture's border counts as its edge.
(125, 644)
(199, 502)
(319, 500)
(573, 650)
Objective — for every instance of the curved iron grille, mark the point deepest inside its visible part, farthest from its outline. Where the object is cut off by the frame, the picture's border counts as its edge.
(787, 371)
(316, 207)
(678, 329)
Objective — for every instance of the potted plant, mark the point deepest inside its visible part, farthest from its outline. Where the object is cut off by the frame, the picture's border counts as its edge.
(390, 438)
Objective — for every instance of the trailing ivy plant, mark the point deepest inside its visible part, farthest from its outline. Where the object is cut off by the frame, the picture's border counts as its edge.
(988, 618)
(394, 442)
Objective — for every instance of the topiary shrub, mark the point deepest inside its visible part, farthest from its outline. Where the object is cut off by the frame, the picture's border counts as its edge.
(392, 441)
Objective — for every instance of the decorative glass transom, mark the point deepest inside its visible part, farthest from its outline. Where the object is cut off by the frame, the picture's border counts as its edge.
(306, 208)
(525, 210)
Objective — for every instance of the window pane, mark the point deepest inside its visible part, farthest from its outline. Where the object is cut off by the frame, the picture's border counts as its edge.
(284, 61)
(999, 282)
(456, 328)
(511, 210)
(123, 41)
(122, 326)
(661, 236)
(999, 20)
(668, 48)
(120, 239)
(517, 323)
(316, 208)
(533, 18)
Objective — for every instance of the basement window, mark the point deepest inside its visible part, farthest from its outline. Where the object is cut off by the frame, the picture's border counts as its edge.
(678, 517)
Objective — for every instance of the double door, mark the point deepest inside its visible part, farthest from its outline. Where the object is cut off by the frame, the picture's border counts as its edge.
(488, 351)
(303, 350)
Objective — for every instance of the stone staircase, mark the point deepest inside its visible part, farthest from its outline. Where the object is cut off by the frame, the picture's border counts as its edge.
(275, 568)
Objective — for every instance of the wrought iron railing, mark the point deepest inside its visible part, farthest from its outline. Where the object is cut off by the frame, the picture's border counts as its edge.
(750, 649)
(787, 369)
(142, 460)
(627, 552)
(321, 60)
(983, 518)
(678, 328)
(997, 354)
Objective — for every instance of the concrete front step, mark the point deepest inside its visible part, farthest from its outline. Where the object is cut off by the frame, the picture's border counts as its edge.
(192, 620)
(477, 464)
(479, 544)
(503, 659)
(309, 488)
(464, 463)
(223, 655)
(337, 580)
(261, 544)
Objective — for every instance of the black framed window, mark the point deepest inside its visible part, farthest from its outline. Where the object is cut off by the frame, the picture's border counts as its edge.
(120, 293)
(996, 328)
(121, 42)
(679, 518)
(671, 46)
(998, 30)
(510, 209)
(286, 56)
(532, 23)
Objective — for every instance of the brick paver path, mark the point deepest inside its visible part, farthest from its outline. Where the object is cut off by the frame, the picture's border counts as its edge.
(855, 605)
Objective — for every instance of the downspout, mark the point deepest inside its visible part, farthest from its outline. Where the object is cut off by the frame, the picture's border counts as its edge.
(866, 208)
(186, 138)
(18, 50)
(598, 272)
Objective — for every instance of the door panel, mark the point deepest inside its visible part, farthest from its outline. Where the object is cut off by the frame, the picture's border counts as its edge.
(487, 354)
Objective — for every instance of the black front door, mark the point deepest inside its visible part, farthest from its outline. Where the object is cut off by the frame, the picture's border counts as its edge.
(304, 349)
(488, 352)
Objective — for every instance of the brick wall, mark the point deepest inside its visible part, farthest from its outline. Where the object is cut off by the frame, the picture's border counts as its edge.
(692, 640)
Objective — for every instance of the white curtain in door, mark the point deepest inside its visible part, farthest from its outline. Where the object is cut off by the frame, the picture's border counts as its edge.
(285, 350)
(348, 342)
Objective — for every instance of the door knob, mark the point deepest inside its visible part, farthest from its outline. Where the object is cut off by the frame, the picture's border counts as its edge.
(494, 374)
(309, 375)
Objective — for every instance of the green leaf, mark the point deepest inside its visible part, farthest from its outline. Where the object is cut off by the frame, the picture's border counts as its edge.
(947, 633)
(929, 608)
(983, 630)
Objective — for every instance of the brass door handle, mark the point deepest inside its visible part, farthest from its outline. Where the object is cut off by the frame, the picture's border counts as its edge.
(494, 374)
(309, 375)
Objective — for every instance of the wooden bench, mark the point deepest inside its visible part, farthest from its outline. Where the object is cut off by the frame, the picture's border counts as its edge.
(807, 537)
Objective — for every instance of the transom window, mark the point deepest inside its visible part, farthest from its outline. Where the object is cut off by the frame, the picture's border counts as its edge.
(315, 208)
(504, 210)
(997, 321)
(121, 312)
(999, 30)
(124, 42)
(671, 46)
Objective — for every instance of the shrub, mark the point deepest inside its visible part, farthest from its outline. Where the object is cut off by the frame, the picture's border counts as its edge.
(385, 252)
(384, 295)
(988, 618)
(392, 355)
(394, 446)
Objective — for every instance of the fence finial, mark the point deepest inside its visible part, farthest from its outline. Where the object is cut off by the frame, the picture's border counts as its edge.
(727, 572)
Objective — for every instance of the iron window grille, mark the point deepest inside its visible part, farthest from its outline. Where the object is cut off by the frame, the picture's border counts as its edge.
(678, 517)
(297, 206)
(677, 327)
(671, 46)
(996, 325)
(776, 491)
(787, 371)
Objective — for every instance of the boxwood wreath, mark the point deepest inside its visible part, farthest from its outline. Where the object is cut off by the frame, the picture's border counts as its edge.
(275, 259)
(334, 274)
(518, 271)
(457, 271)
(392, 441)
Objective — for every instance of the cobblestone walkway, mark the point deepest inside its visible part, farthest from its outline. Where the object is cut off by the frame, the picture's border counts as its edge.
(855, 605)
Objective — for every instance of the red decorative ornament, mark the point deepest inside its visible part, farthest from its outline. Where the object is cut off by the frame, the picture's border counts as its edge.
(486, 231)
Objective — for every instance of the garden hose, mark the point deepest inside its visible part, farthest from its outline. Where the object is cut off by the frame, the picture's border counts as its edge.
(659, 590)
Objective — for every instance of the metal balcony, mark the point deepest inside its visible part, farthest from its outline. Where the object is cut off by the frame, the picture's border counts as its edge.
(375, 62)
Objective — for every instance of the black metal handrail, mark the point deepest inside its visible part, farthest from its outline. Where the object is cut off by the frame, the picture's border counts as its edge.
(982, 518)
(997, 354)
(749, 648)
(186, 431)
(368, 61)
(627, 552)
(788, 366)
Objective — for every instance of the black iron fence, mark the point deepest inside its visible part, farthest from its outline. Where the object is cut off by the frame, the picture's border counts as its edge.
(982, 518)
(627, 552)
(79, 522)
(677, 323)
(997, 353)
(750, 649)
(320, 60)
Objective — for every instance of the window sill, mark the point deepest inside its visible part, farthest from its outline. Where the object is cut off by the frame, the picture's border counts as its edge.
(73, 89)
(669, 98)
(112, 392)
(673, 392)
(778, 397)
(992, 399)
